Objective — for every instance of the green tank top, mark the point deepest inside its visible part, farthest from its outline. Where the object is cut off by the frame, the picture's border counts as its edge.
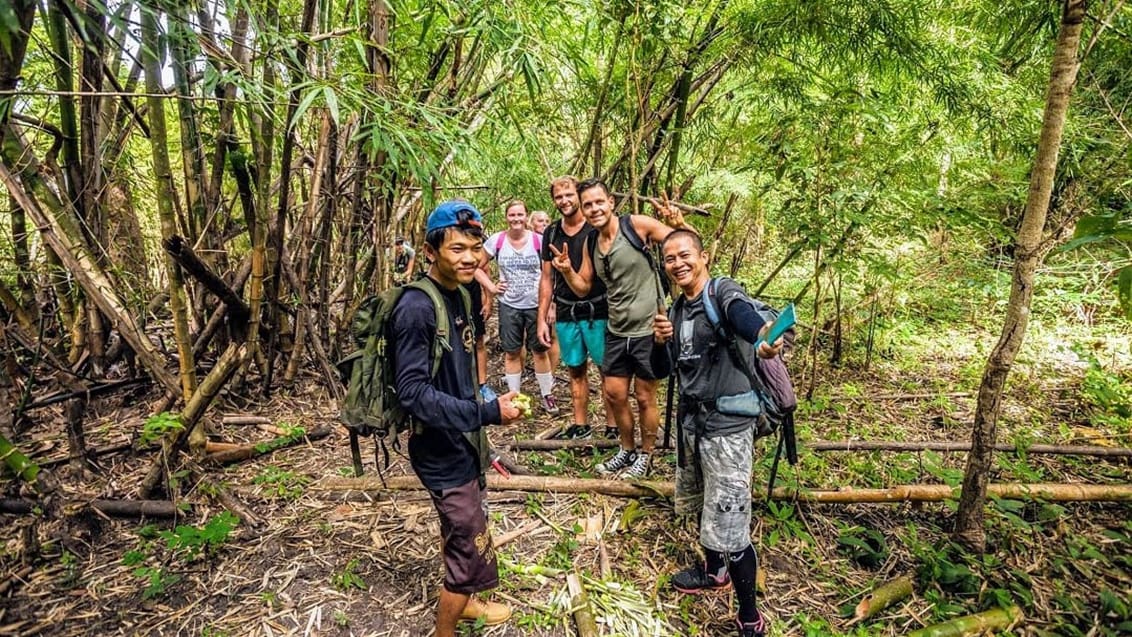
(630, 284)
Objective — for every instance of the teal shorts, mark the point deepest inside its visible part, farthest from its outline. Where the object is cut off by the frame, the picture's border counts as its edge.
(577, 339)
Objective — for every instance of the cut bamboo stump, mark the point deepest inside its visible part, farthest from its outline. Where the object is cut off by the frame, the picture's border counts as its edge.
(580, 604)
(884, 596)
(992, 620)
(861, 445)
(644, 489)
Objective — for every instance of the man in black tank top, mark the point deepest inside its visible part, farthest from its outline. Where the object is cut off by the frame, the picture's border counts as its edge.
(579, 319)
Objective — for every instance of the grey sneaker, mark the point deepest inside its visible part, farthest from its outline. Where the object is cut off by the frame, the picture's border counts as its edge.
(622, 459)
(639, 469)
(550, 405)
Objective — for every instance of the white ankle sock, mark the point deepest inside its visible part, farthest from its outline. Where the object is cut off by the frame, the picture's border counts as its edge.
(545, 383)
(513, 381)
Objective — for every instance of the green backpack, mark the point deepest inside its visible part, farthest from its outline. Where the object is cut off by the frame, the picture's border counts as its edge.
(371, 406)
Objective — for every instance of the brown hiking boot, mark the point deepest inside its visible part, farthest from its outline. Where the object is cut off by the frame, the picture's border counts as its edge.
(492, 612)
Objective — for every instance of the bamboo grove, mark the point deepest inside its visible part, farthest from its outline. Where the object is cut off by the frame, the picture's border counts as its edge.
(211, 187)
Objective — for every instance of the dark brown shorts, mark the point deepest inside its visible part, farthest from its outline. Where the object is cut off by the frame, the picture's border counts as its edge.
(469, 556)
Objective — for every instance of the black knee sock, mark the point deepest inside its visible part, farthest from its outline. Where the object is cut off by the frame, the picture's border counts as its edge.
(743, 565)
(716, 563)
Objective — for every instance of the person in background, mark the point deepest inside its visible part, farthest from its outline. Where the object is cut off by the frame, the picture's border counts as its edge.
(713, 476)
(404, 261)
(516, 253)
(448, 447)
(539, 221)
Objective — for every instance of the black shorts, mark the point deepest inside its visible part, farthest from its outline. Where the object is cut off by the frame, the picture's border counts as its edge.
(628, 356)
(518, 327)
(469, 555)
(476, 291)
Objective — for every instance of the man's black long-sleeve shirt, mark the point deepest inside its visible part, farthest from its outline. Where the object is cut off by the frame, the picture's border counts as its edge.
(446, 405)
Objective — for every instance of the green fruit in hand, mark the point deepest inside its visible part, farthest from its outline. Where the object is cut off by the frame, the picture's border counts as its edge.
(522, 402)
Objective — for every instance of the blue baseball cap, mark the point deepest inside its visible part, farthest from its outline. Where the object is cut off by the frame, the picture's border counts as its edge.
(454, 213)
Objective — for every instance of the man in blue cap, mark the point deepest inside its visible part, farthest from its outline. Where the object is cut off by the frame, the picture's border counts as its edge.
(448, 447)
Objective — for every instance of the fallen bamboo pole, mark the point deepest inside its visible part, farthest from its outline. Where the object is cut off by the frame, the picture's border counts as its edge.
(245, 452)
(994, 619)
(1053, 492)
(112, 508)
(862, 445)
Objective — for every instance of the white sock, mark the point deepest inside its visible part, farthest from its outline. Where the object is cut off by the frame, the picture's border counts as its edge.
(545, 383)
(513, 381)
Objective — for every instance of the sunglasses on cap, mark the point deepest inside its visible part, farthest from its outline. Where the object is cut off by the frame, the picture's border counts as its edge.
(467, 218)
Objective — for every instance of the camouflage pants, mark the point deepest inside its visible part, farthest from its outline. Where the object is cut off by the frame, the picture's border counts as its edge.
(718, 488)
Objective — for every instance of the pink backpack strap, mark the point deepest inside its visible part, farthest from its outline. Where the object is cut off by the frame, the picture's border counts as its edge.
(538, 242)
(499, 242)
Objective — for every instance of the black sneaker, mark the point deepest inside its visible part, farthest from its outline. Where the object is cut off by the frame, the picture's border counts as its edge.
(575, 432)
(611, 433)
(696, 580)
(752, 629)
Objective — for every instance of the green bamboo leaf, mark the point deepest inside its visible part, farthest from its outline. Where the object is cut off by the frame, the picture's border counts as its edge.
(1124, 291)
(304, 106)
(331, 103)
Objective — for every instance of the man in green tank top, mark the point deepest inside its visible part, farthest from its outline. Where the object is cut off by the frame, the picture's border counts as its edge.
(635, 295)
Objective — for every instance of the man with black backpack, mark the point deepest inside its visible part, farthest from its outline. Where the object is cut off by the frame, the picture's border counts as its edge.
(578, 320)
(619, 257)
(448, 447)
(708, 336)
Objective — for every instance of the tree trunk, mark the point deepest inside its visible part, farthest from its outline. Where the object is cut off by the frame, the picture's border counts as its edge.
(163, 174)
(969, 528)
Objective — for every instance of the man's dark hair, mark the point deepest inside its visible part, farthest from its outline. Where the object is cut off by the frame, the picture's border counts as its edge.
(592, 183)
(436, 237)
(683, 232)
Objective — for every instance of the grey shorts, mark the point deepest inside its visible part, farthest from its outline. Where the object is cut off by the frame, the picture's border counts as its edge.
(718, 489)
(518, 327)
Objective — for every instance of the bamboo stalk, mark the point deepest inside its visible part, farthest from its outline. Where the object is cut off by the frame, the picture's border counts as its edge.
(1053, 492)
(56, 229)
(882, 597)
(580, 604)
(245, 419)
(978, 624)
(112, 508)
(245, 452)
(20, 464)
(863, 445)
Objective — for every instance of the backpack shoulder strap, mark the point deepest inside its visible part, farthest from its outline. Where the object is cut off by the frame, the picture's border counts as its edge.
(631, 235)
(537, 239)
(711, 309)
(443, 325)
(724, 333)
(499, 242)
(551, 232)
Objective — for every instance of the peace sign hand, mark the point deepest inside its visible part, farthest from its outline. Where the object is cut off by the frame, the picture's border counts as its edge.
(669, 213)
(561, 260)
